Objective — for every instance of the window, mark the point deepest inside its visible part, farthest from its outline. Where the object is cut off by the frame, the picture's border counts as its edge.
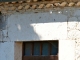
(40, 49)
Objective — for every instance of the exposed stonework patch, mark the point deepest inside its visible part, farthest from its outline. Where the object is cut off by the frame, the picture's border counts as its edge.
(74, 34)
(78, 26)
(72, 23)
(77, 50)
(73, 28)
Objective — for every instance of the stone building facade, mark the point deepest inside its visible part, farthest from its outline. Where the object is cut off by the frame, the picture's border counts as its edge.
(49, 25)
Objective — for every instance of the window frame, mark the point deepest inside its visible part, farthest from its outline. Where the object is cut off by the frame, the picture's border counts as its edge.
(40, 48)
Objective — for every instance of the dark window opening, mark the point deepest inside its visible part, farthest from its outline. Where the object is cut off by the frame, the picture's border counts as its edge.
(45, 48)
(41, 50)
(28, 49)
(36, 49)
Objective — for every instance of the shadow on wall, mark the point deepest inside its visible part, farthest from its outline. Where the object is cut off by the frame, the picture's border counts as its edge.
(40, 26)
(3, 22)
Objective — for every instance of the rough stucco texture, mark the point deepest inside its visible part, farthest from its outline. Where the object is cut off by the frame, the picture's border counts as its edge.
(7, 51)
(38, 26)
(13, 50)
(61, 24)
(77, 50)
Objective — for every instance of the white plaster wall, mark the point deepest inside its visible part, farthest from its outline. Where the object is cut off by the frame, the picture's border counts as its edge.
(7, 51)
(61, 24)
(67, 49)
(13, 50)
(37, 26)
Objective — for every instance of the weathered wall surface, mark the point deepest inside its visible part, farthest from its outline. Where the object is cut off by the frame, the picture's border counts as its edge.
(13, 50)
(66, 50)
(77, 50)
(7, 51)
(61, 24)
(74, 26)
(18, 51)
(37, 26)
